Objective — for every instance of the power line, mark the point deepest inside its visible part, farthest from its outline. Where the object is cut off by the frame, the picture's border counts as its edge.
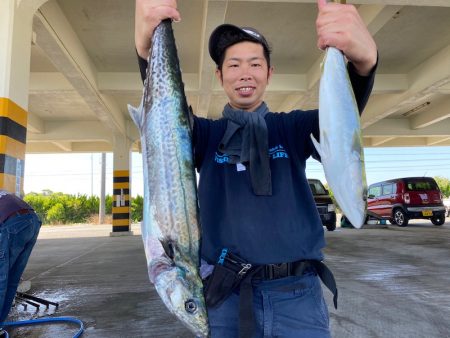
(405, 154)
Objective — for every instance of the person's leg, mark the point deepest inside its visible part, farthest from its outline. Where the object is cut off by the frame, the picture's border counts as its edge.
(4, 266)
(294, 308)
(291, 307)
(23, 231)
(224, 319)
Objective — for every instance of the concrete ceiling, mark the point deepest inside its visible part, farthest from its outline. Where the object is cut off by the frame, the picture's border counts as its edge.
(84, 70)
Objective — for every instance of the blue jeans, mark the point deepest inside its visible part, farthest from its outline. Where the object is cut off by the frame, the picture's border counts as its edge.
(291, 307)
(18, 235)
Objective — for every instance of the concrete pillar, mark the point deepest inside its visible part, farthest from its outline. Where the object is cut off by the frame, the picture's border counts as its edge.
(13, 132)
(121, 187)
(15, 41)
(102, 206)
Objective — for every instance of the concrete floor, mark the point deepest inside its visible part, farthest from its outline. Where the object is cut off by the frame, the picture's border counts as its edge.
(393, 282)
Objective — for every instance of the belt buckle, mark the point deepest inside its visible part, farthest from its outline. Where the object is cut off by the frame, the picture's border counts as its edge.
(281, 270)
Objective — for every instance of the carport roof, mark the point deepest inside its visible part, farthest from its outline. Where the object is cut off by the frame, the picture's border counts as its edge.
(84, 70)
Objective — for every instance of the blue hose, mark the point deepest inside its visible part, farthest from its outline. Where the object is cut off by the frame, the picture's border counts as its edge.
(46, 320)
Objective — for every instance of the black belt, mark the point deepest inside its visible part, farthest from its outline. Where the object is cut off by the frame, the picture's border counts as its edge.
(275, 271)
(24, 211)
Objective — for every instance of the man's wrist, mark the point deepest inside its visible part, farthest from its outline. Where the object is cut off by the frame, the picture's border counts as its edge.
(142, 52)
(366, 68)
(142, 66)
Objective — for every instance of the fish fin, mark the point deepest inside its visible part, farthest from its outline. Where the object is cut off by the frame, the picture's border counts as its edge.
(326, 147)
(168, 246)
(136, 115)
(356, 146)
(191, 117)
(365, 193)
(322, 64)
(316, 145)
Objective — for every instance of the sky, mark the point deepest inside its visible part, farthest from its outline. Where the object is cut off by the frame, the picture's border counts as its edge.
(81, 173)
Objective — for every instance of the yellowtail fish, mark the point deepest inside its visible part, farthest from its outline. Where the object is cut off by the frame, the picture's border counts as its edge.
(340, 145)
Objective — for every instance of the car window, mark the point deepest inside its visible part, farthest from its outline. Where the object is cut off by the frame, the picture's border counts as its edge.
(414, 185)
(375, 191)
(317, 188)
(387, 189)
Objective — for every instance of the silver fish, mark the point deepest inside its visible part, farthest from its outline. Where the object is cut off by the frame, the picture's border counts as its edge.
(170, 228)
(340, 145)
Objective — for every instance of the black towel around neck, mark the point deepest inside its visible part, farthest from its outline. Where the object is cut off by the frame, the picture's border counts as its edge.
(246, 141)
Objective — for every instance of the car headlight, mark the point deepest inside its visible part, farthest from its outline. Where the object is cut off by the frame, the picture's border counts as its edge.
(331, 207)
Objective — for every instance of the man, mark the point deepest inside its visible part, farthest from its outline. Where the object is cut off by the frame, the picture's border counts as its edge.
(19, 228)
(254, 198)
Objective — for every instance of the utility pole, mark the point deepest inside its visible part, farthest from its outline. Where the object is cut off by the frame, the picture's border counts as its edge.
(101, 212)
(92, 174)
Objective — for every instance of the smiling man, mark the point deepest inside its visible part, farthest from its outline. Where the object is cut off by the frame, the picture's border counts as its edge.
(262, 237)
(243, 68)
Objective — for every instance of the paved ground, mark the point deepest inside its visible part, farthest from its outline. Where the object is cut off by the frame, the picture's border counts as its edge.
(393, 282)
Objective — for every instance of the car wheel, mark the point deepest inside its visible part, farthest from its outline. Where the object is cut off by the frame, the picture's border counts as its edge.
(331, 227)
(438, 220)
(400, 218)
(392, 222)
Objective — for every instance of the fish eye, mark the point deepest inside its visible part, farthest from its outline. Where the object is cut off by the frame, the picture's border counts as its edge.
(190, 306)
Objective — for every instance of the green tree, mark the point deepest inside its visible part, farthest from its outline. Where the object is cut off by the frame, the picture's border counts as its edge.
(137, 208)
(108, 204)
(443, 184)
(56, 214)
(39, 204)
(58, 208)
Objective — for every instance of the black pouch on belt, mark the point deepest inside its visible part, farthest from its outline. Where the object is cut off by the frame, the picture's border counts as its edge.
(226, 276)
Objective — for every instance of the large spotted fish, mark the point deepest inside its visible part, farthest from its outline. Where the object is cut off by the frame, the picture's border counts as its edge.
(170, 228)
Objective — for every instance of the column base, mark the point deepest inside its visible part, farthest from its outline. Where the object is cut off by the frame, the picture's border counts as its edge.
(121, 233)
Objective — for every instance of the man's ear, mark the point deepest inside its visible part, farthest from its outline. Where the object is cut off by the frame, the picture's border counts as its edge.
(219, 76)
(269, 73)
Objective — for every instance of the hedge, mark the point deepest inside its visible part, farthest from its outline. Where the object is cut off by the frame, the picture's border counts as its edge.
(59, 208)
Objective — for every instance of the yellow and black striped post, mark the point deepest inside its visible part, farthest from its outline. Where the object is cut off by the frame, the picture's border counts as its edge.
(13, 136)
(121, 203)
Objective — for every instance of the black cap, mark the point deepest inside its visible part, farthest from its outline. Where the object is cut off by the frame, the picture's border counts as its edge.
(216, 48)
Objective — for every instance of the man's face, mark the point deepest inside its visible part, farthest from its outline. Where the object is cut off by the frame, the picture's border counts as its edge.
(244, 75)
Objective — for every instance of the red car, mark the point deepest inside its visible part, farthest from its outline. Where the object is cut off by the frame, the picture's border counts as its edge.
(402, 199)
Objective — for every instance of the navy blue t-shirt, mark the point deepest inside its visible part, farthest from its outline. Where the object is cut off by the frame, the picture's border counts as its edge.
(280, 228)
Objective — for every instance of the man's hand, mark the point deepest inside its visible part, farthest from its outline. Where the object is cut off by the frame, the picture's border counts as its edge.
(149, 13)
(340, 26)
